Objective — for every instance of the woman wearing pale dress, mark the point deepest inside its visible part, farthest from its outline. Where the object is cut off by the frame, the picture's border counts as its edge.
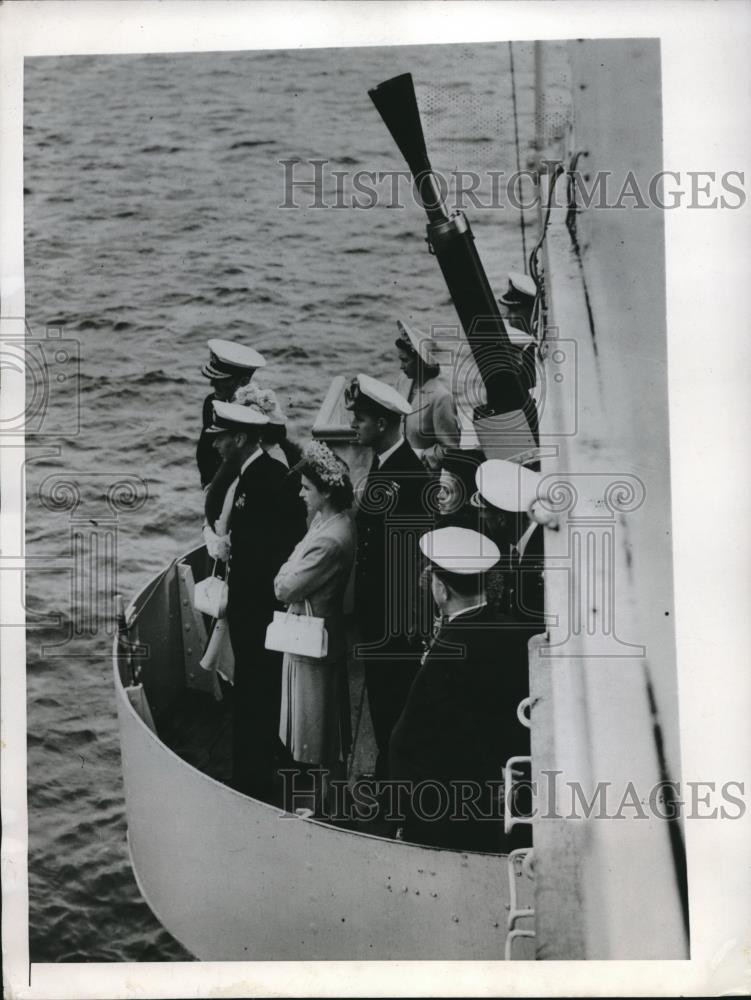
(315, 723)
(433, 425)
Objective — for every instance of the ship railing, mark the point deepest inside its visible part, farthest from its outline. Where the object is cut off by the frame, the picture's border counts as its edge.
(520, 861)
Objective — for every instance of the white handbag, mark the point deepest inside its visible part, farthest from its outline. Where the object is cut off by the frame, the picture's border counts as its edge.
(210, 595)
(302, 635)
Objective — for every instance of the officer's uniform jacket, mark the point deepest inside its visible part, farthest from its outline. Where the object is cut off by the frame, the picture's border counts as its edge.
(460, 721)
(207, 457)
(523, 582)
(266, 522)
(393, 512)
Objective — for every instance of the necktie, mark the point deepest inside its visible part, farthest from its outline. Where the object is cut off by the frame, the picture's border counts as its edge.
(437, 626)
(375, 465)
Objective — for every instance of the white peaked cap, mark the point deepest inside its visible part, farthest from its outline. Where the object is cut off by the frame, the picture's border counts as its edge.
(382, 394)
(460, 550)
(522, 283)
(235, 416)
(229, 358)
(521, 290)
(423, 345)
(507, 485)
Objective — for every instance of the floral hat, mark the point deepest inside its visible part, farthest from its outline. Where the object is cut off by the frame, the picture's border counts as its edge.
(330, 469)
(262, 399)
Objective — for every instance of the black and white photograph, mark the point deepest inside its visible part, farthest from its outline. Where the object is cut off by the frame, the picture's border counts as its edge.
(363, 577)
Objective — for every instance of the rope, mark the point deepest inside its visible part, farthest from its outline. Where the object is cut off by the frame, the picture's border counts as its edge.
(533, 266)
(516, 138)
(540, 310)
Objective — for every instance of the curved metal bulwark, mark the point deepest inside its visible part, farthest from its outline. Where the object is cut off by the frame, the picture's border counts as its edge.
(233, 878)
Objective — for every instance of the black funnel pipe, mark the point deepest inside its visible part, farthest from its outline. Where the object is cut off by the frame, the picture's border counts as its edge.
(450, 239)
(397, 105)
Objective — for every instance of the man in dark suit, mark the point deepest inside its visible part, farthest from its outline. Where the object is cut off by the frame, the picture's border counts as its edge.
(393, 512)
(266, 522)
(459, 725)
(505, 493)
(230, 366)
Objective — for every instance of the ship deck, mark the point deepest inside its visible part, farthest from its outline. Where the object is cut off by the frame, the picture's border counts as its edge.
(450, 903)
(198, 728)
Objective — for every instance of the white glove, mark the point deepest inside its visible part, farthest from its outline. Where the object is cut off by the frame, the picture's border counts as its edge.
(216, 545)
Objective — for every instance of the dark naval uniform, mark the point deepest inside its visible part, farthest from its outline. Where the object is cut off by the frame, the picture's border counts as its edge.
(392, 514)
(266, 523)
(524, 591)
(230, 365)
(460, 725)
(207, 457)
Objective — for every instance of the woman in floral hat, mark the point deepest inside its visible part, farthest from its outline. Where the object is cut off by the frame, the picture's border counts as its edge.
(315, 723)
(274, 440)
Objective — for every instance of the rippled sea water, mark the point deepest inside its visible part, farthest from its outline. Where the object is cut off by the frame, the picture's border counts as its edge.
(152, 223)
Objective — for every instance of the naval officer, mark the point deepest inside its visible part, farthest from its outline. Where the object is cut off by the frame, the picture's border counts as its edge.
(505, 494)
(519, 301)
(230, 366)
(393, 511)
(460, 725)
(433, 425)
(265, 524)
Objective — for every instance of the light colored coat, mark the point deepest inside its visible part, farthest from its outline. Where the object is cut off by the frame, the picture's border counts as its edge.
(433, 426)
(318, 570)
(314, 723)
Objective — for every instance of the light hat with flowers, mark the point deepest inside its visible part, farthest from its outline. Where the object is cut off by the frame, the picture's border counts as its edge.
(330, 469)
(262, 399)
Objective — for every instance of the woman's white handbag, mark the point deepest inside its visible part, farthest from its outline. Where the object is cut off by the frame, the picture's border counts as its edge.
(210, 596)
(302, 635)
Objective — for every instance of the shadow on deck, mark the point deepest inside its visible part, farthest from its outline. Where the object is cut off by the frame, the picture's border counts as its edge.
(199, 730)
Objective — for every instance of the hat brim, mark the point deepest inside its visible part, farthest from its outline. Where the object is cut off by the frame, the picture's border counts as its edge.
(364, 404)
(213, 373)
(477, 500)
(417, 344)
(402, 344)
(516, 300)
